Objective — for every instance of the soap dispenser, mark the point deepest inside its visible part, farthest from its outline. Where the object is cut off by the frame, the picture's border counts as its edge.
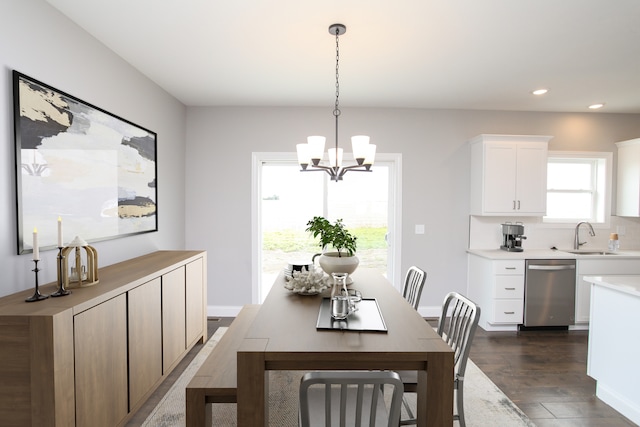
(614, 245)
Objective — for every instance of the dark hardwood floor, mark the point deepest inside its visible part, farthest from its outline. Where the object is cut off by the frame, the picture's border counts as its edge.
(542, 372)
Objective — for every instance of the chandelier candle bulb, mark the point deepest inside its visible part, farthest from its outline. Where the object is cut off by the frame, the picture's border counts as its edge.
(316, 147)
(359, 145)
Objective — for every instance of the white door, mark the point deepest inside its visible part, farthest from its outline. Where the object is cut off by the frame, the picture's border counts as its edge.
(285, 199)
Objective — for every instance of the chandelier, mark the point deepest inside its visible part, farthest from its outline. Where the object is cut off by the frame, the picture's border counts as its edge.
(311, 153)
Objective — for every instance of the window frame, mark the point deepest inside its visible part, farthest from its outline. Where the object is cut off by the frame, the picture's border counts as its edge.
(606, 187)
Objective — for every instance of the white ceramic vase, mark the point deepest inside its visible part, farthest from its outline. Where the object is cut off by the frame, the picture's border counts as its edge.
(330, 262)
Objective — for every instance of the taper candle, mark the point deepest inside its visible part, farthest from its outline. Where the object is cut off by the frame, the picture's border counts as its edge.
(36, 251)
(59, 232)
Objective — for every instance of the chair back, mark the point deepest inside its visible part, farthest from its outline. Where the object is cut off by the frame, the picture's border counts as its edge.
(413, 284)
(349, 399)
(457, 326)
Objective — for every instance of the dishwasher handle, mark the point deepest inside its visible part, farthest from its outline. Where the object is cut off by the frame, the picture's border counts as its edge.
(551, 267)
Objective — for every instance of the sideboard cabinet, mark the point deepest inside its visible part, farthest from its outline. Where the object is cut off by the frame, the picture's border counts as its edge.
(95, 356)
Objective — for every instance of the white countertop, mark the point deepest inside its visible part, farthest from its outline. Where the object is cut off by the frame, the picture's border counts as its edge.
(550, 254)
(626, 284)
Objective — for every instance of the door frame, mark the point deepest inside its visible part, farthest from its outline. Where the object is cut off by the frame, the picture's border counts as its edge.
(394, 214)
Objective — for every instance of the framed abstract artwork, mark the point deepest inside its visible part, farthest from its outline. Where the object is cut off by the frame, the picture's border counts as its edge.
(80, 165)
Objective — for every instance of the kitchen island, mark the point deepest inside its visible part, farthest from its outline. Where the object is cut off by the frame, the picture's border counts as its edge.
(614, 348)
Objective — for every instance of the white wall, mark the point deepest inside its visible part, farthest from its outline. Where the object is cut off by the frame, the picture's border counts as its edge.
(435, 177)
(38, 41)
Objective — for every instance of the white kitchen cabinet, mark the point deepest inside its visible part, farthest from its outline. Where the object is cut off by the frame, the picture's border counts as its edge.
(598, 267)
(497, 286)
(628, 202)
(509, 175)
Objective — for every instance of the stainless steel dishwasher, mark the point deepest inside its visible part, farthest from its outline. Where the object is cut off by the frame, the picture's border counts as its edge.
(549, 292)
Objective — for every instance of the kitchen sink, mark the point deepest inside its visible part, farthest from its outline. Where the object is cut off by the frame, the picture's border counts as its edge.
(592, 252)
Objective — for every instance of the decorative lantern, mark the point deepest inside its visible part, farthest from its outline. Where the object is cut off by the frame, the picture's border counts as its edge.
(82, 270)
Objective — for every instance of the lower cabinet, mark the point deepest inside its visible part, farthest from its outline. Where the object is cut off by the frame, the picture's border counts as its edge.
(145, 339)
(94, 357)
(100, 351)
(173, 317)
(193, 298)
(497, 286)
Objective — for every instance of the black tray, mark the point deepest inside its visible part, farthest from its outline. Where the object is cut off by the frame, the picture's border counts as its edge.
(367, 318)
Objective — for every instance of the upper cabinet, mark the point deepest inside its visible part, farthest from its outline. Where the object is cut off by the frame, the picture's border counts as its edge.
(628, 203)
(509, 175)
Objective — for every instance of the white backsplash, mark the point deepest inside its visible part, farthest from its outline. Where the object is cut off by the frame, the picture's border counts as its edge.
(486, 233)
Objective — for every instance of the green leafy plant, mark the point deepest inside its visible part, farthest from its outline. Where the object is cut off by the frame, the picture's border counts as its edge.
(332, 235)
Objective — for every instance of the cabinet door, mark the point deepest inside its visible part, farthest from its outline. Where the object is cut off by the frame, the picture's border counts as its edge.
(100, 347)
(145, 339)
(195, 301)
(583, 300)
(531, 179)
(173, 317)
(499, 178)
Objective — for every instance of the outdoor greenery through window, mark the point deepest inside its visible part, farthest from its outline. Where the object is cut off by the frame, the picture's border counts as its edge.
(290, 199)
(578, 187)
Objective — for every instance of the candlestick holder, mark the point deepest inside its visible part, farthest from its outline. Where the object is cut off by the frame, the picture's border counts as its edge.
(37, 296)
(61, 290)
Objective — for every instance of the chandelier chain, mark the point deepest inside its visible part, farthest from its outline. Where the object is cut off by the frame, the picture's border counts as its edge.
(336, 111)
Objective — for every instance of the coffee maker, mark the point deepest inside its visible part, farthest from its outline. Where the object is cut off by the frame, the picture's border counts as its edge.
(512, 237)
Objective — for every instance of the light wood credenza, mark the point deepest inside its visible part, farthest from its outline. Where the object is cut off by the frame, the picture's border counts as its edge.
(92, 358)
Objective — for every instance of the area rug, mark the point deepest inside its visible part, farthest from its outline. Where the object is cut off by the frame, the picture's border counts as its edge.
(485, 404)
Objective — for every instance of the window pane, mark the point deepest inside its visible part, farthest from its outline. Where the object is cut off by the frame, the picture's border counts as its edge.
(569, 176)
(569, 206)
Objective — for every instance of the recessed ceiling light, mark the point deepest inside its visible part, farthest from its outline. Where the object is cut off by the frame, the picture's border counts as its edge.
(596, 106)
(540, 91)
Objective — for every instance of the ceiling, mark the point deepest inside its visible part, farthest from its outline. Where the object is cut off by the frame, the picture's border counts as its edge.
(445, 54)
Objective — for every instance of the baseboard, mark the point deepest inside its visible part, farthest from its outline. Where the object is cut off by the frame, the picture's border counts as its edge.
(620, 403)
(430, 311)
(223, 311)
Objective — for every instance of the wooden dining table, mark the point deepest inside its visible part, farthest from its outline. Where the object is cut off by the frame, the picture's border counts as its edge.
(284, 336)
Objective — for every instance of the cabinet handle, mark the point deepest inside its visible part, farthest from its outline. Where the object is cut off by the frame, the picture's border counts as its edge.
(510, 289)
(514, 205)
(509, 312)
(509, 268)
(518, 204)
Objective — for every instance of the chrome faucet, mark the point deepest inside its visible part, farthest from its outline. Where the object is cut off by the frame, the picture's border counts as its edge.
(576, 241)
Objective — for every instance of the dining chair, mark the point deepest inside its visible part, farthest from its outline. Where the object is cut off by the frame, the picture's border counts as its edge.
(413, 284)
(350, 399)
(457, 327)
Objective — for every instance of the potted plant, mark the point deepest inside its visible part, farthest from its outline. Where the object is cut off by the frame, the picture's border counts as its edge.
(334, 236)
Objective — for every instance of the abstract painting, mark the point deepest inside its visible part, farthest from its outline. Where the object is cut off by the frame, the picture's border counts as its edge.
(74, 161)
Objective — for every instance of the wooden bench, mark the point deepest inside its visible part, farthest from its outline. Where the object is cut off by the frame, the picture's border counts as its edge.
(216, 380)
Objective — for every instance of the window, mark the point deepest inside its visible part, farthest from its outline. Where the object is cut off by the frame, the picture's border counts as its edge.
(578, 187)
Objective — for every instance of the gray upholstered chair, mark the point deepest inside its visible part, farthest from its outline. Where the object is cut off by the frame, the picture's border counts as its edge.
(413, 284)
(457, 326)
(350, 399)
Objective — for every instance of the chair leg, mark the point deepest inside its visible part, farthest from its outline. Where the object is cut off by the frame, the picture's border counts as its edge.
(460, 402)
(412, 418)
